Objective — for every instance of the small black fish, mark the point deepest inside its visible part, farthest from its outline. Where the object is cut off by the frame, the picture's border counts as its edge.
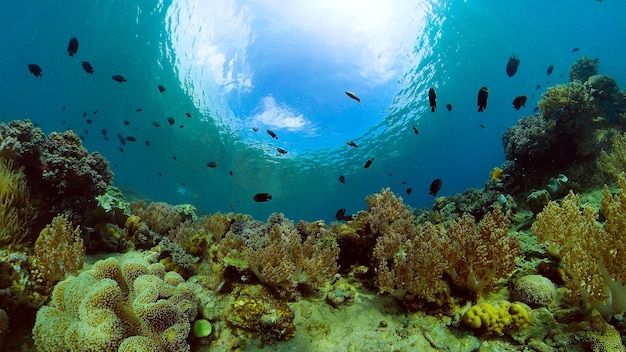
(160, 174)
(139, 110)
(34, 69)
(272, 134)
(575, 50)
(255, 129)
(106, 138)
(119, 78)
(281, 150)
(123, 141)
(104, 132)
(340, 214)
(126, 122)
(432, 99)
(449, 107)
(161, 88)
(86, 131)
(481, 126)
(262, 197)
(174, 157)
(511, 66)
(72, 47)
(131, 139)
(95, 111)
(156, 124)
(550, 69)
(519, 101)
(409, 190)
(85, 114)
(121, 149)
(147, 143)
(435, 186)
(483, 93)
(188, 114)
(352, 144)
(211, 164)
(415, 130)
(181, 126)
(536, 109)
(342, 179)
(89, 121)
(368, 163)
(87, 67)
(353, 96)
(538, 86)
(230, 172)
(171, 121)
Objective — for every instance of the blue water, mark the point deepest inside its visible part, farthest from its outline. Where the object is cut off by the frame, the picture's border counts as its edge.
(284, 66)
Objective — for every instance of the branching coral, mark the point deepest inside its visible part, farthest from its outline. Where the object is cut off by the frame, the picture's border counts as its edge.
(480, 254)
(159, 216)
(529, 140)
(615, 162)
(59, 251)
(567, 102)
(282, 260)
(385, 209)
(15, 208)
(582, 69)
(133, 306)
(591, 253)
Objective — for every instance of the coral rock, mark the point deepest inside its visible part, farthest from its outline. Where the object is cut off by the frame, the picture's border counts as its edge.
(534, 290)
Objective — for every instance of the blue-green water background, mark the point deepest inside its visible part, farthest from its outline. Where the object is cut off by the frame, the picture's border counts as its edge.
(457, 47)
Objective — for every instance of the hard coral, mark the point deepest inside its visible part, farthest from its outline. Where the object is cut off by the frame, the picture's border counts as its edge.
(134, 306)
(583, 68)
(497, 318)
(159, 216)
(16, 211)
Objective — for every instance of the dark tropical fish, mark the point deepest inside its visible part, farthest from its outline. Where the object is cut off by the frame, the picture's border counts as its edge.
(211, 164)
(106, 138)
(63, 108)
(368, 163)
(121, 149)
(483, 93)
(147, 143)
(126, 122)
(538, 86)
(352, 144)
(72, 47)
(87, 67)
(156, 124)
(262, 197)
(575, 50)
(432, 99)
(181, 126)
(272, 134)
(161, 88)
(536, 109)
(230, 172)
(188, 114)
(123, 141)
(34, 69)
(255, 129)
(85, 114)
(281, 150)
(104, 132)
(340, 214)
(171, 121)
(89, 121)
(511, 66)
(404, 182)
(119, 78)
(86, 131)
(95, 111)
(481, 126)
(409, 190)
(174, 157)
(449, 107)
(519, 101)
(415, 130)
(550, 69)
(342, 179)
(160, 174)
(139, 110)
(131, 139)
(353, 96)
(435, 186)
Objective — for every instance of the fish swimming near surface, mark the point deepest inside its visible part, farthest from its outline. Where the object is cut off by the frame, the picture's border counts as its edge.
(272, 134)
(432, 99)
(87, 67)
(449, 107)
(550, 69)
(352, 144)
(171, 121)
(119, 78)
(255, 129)
(483, 93)
(342, 179)
(519, 101)
(188, 114)
(281, 150)
(126, 122)
(368, 163)
(156, 124)
(131, 138)
(211, 164)
(34, 69)
(409, 190)
(161, 88)
(147, 143)
(481, 126)
(415, 130)
(435, 186)
(340, 214)
(511, 66)
(575, 50)
(353, 96)
(72, 47)
(262, 197)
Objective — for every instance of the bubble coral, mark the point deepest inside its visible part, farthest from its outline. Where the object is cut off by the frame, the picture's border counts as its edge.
(534, 290)
(494, 319)
(133, 306)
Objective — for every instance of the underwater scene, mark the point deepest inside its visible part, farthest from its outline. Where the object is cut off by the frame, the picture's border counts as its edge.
(267, 175)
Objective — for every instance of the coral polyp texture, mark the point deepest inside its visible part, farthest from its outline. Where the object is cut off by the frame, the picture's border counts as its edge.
(132, 306)
(15, 208)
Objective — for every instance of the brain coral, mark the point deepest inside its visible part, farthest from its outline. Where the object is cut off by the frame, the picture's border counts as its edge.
(132, 306)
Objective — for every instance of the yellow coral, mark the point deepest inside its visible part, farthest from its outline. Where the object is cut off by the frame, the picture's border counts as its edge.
(16, 211)
(495, 319)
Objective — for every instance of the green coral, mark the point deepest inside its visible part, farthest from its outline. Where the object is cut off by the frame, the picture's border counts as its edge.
(583, 68)
(113, 200)
(495, 319)
(132, 306)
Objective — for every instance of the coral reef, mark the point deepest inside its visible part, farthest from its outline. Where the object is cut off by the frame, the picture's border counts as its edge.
(496, 318)
(534, 290)
(133, 306)
(15, 209)
(583, 68)
(59, 251)
(614, 163)
(159, 216)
